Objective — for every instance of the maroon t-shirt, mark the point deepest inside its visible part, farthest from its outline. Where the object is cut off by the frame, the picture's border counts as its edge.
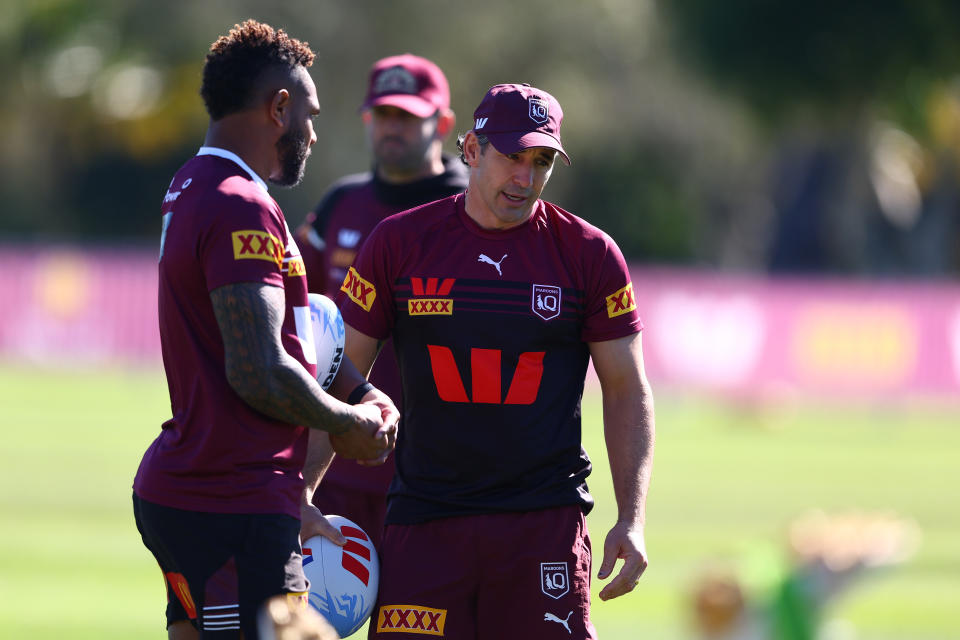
(490, 329)
(216, 453)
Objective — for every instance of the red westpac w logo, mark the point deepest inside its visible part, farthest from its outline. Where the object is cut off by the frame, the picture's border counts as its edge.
(486, 387)
(431, 286)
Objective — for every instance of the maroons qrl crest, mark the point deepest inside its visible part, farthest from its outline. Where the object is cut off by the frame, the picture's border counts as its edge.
(539, 110)
(545, 301)
(554, 579)
(395, 80)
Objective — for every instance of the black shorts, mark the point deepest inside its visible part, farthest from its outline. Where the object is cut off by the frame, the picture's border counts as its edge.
(220, 568)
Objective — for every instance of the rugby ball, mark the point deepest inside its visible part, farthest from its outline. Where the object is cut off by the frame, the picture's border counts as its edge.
(328, 337)
(343, 580)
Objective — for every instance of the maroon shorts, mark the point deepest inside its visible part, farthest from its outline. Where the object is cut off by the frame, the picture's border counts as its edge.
(505, 576)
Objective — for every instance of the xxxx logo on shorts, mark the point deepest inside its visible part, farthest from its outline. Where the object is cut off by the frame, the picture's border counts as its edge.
(621, 301)
(432, 306)
(257, 245)
(408, 618)
(359, 290)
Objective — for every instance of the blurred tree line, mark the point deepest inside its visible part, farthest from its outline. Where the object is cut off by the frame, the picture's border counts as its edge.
(859, 102)
(738, 134)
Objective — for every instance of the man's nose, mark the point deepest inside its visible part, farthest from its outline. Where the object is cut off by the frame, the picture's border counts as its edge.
(523, 174)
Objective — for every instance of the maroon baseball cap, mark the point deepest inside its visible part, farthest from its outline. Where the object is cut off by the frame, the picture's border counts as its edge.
(515, 117)
(410, 83)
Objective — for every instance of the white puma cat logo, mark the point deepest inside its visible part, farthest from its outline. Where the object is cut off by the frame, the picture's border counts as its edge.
(552, 618)
(496, 265)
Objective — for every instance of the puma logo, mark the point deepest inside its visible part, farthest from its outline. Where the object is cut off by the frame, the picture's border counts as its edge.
(552, 618)
(496, 265)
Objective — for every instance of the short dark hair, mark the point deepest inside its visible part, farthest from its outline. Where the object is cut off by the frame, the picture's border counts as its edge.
(236, 62)
(482, 139)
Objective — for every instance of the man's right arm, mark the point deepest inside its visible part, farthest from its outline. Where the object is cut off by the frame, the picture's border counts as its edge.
(266, 377)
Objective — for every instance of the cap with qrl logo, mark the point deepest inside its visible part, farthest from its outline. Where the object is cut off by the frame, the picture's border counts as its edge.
(515, 117)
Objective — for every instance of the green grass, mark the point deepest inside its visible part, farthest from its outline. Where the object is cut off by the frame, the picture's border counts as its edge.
(727, 479)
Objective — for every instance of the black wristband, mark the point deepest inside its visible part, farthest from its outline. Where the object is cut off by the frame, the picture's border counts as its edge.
(359, 392)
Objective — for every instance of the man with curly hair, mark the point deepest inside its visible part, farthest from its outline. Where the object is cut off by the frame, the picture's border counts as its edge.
(216, 497)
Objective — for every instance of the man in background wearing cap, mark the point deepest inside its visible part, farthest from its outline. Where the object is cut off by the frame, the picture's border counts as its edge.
(496, 301)
(407, 117)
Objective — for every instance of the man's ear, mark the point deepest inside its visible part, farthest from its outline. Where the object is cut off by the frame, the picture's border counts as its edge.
(279, 107)
(445, 123)
(471, 149)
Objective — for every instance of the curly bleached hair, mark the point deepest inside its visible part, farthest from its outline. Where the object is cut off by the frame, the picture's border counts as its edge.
(237, 61)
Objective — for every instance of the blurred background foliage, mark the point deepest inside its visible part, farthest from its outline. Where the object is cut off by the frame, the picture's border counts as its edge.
(742, 135)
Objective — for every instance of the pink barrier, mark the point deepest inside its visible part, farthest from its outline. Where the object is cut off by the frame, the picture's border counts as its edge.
(76, 306)
(741, 335)
(828, 337)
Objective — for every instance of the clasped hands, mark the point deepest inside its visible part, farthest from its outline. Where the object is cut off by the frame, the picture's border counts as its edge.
(373, 435)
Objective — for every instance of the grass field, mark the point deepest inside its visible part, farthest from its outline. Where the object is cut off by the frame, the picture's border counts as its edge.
(726, 480)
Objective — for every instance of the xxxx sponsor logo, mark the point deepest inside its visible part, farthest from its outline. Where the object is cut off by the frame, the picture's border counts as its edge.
(621, 301)
(433, 306)
(406, 618)
(257, 245)
(295, 267)
(430, 307)
(359, 290)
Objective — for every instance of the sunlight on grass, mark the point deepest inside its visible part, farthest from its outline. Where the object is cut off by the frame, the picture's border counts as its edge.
(727, 479)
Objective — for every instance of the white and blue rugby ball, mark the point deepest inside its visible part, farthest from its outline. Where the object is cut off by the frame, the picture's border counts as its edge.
(343, 580)
(328, 337)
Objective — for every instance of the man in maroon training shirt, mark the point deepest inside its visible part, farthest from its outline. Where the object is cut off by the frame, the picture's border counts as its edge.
(496, 302)
(217, 495)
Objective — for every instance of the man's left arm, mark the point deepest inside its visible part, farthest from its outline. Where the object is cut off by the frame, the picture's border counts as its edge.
(362, 350)
(628, 426)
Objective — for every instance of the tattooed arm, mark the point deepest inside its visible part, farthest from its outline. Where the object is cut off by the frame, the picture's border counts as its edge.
(267, 378)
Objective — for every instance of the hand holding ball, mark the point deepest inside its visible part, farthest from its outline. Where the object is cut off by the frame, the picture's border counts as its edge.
(343, 580)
